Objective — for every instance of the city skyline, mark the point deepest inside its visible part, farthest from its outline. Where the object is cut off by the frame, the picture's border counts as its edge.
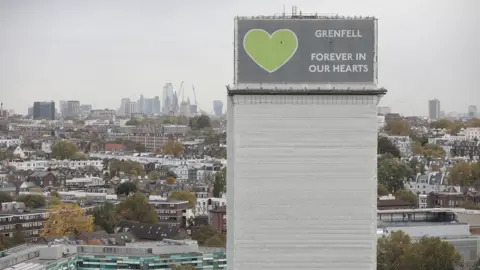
(130, 50)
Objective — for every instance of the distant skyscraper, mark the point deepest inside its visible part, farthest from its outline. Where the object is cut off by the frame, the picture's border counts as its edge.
(63, 108)
(73, 108)
(472, 111)
(434, 109)
(384, 110)
(156, 105)
(125, 108)
(44, 110)
(141, 105)
(167, 98)
(218, 107)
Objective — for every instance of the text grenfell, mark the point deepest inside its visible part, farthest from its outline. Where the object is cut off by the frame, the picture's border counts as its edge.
(343, 33)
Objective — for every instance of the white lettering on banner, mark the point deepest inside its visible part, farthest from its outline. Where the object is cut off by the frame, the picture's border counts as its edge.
(342, 33)
(338, 68)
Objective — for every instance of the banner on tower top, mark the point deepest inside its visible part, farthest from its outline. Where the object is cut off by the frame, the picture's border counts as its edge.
(305, 51)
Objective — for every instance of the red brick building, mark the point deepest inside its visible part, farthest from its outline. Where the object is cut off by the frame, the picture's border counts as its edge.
(218, 219)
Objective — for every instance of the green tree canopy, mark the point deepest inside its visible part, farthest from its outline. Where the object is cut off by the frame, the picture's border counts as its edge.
(5, 197)
(125, 166)
(154, 175)
(206, 236)
(184, 195)
(32, 200)
(392, 173)
(386, 146)
(106, 217)
(200, 122)
(126, 188)
(461, 174)
(382, 190)
(64, 150)
(398, 252)
(220, 182)
(407, 196)
(137, 208)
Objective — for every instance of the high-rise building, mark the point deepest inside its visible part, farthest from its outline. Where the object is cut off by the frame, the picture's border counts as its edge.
(124, 110)
(63, 108)
(167, 99)
(156, 105)
(434, 109)
(141, 104)
(472, 111)
(73, 108)
(384, 110)
(44, 110)
(85, 109)
(218, 107)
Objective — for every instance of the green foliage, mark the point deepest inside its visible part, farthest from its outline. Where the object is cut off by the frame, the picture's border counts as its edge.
(220, 182)
(55, 193)
(133, 122)
(200, 122)
(53, 201)
(433, 151)
(154, 175)
(184, 196)
(106, 217)
(4, 197)
(125, 166)
(398, 252)
(464, 174)
(206, 236)
(382, 190)
(173, 148)
(126, 188)
(386, 146)
(407, 196)
(137, 208)
(32, 200)
(392, 173)
(64, 150)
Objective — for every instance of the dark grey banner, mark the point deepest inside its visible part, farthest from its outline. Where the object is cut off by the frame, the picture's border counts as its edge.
(305, 51)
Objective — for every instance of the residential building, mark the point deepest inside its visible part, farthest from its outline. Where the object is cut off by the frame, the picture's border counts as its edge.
(175, 129)
(65, 254)
(468, 149)
(472, 111)
(44, 110)
(204, 205)
(4, 142)
(427, 183)
(218, 219)
(432, 222)
(105, 114)
(403, 143)
(390, 203)
(45, 164)
(472, 134)
(434, 109)
(151, 141)
(170, 212)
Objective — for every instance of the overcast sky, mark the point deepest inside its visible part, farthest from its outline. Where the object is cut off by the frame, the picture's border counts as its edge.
(99, 51)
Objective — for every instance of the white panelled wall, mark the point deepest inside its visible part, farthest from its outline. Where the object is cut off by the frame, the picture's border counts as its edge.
(302, 182)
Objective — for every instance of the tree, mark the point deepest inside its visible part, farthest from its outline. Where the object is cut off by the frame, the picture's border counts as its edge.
(397, 128)
(67, 219)
(398, 252)
(382, 190)
(5, 197)
(220, 182)
(200, 122)
(154, 175)
(386, 146)
(173, 148)
(137, 208)
(64, 150)
(392, 173)
(433, 151)
(407, 196)
(475, 122)
(184, 196)
(460, 174)
(206, 236)
(125, 166)
(53, 201)
(55, 193)
(106, 217)
(32, 200)
(126, 188)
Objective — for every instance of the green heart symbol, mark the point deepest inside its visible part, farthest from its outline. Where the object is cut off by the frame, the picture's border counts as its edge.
(270, 52)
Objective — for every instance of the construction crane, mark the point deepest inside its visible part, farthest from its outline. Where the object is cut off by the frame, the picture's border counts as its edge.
(195, 100)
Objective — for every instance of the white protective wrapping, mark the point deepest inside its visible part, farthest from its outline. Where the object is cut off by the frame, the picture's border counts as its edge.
(302, 182)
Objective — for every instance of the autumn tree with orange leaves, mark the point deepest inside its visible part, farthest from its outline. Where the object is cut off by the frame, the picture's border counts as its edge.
(67, 219)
